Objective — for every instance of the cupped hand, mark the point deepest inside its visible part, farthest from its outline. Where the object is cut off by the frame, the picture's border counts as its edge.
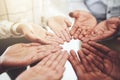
(83, 25)
(36, 33)
(60, 25)
(105, 29)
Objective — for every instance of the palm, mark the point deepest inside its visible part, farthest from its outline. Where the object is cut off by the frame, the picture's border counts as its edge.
(45, 36)
(83, 25)
(21, 54)
(105, 28)
(85, 69)
(36, 33)
(104, 58)
(111, 64)
(50, 68)
(95, 76)
(60, 25)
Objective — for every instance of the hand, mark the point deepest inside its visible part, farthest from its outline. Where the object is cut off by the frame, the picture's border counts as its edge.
(50, 68)
(36, 33)
(83, 25)
(104, 29)
(105, 59)
(60, 25)
(21, 54)
(84, 69)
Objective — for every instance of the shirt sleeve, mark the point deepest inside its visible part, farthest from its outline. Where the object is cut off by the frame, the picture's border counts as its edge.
(8, 29)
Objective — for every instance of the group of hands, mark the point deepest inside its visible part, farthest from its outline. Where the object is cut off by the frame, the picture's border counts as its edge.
(94, 61)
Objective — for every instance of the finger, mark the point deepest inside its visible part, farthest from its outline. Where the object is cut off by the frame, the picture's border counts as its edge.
(67, 30)
(39, 56)
(67, 22)
(42, 41)
(56, 61)
(96, 62)
(105, 34)
(52, 58)
(93, 67)
(84, 61)
(54, 40)
(93, 50)
(45, 60)
(35, 44)
(31, 44)
(78, 67)
(66, 35)
(62, 36)
(56, 48)
(77, 33)
(63, 59)
(73, 30)
(88, 53)
(50, 48)
(100, 46)
(54, 37)
(58, 33)
(72, 52)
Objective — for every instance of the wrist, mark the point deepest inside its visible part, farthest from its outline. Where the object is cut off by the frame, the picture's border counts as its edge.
(1, 66)
(23, 27)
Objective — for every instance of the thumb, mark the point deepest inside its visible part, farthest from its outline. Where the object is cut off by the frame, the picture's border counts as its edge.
(68, 23)
(74, 14)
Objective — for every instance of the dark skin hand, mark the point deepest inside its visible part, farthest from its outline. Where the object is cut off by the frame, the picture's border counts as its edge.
(105, 59)
(50, 68)
(84, 69)
(83, 25)
(104, 30)
(20, 55)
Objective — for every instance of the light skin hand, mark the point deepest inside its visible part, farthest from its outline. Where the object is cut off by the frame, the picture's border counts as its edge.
(60, 25)
(36, 33)
(107, 59)
(83, 25)
(20, 55)
(104, 29)
(84, 69)
(50, 68)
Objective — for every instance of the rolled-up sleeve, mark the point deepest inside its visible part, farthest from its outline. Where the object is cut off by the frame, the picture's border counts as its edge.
(8, 29)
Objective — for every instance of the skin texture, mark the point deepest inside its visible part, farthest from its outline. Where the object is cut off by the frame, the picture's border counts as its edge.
(84, 69)
(60, 25)
(20, 55)
(50, 68)
(105, 59)
(83, 25)
(103, 30)
(36, 33)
